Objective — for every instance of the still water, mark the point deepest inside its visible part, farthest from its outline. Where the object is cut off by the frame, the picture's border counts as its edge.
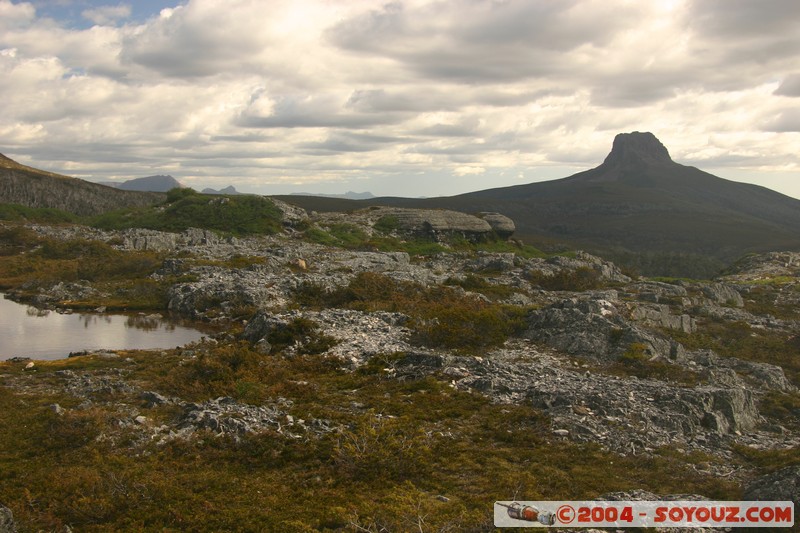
(29, 332)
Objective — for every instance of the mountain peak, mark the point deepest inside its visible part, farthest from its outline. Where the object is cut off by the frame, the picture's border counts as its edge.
(637, 148)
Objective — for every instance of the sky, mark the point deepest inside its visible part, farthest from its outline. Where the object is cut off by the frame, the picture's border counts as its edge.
(406, 98)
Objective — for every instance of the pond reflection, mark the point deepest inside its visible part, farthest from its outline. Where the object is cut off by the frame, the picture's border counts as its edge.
(26, 331)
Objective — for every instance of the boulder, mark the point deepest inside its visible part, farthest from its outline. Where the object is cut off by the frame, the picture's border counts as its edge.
(434, 223)
(260, 327)
(7, 524)
(503, 226)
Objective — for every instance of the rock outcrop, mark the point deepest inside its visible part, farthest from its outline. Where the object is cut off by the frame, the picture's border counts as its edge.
(783, 485)
(7, 524)
(35, 188)
(593, 326)
(503, 226)
(437, 223)
(660, 316)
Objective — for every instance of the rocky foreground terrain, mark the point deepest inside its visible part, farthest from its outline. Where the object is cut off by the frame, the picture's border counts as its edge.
(696, 376)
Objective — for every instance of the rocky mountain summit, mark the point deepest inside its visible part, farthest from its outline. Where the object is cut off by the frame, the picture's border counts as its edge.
(618, 209)
(704, 371)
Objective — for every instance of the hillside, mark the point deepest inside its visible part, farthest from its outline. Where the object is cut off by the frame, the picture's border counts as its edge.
(386, 387)
(639, 201)
(20, 184)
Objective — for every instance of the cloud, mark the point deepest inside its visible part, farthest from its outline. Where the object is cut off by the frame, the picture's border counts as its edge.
(786, 121)
(790, 86)
(344, 142)
(738, 18)
(17, 15)
(479, 42)
(253, 92)
(309, 111)
(105, 15)
(468, 170)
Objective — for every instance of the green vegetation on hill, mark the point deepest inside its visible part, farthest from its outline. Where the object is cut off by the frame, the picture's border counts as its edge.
(186, 208)
(44, 215)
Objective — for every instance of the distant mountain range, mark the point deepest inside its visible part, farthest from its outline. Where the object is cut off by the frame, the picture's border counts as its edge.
(159, 183)
(638, 202)
(230, 189)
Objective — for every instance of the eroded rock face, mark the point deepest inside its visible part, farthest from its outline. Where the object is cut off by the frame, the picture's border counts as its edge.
(627, 415)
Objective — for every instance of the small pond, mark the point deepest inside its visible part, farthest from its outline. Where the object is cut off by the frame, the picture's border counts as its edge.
(41, 334)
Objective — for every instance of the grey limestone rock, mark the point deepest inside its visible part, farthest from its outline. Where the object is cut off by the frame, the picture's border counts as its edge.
(293, 216)
(723, 294)
(261, 325)
(659, 315)
(145, 239)
(783, 485)
(499, 262)
(763, 266)
(7, 524)
(503, 226)
(606, 270)
(593, 327)
(657, 292)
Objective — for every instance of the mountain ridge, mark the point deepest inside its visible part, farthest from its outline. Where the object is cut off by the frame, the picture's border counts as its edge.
(31, 187)
(637, 201)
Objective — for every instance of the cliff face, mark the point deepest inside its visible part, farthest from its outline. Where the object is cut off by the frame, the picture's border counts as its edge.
(28, 186)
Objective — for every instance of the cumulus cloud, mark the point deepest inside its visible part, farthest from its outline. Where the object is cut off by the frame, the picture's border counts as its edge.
(263, 94)
(15, 15)
(104, 15)
(198, 39)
